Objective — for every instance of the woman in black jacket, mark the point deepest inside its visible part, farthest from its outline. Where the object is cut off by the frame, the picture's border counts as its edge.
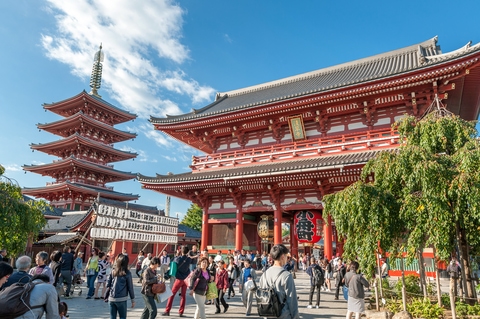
(149, 278)
(198, 287)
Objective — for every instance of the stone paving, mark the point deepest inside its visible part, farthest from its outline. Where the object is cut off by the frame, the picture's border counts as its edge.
(80, 308)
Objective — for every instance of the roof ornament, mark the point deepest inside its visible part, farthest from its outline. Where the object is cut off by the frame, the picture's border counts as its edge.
(96, 77)
(437, 109)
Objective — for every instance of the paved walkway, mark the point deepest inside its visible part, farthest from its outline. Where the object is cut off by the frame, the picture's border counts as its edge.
(80, 308)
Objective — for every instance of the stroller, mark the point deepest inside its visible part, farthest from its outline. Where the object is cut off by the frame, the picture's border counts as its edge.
(77, 282)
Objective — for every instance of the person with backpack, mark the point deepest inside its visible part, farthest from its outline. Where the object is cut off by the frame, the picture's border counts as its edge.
(23, 264)
(42, 299)
(317, 278)
(281, 282)
(5, 272)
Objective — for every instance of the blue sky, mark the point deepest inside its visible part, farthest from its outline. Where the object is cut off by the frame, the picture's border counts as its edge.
(166, 57)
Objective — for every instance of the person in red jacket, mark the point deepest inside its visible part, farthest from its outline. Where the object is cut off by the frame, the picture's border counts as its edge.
(221, 279)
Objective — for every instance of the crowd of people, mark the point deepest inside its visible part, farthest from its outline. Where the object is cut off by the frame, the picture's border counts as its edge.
(210, 279)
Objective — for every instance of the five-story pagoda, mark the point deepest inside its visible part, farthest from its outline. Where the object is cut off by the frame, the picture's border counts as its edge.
(85, 149)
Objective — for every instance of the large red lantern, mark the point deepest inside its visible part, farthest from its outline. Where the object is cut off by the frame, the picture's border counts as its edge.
(308, 226)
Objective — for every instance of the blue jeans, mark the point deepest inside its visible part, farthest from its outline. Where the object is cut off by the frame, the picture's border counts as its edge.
(150, 311)
(119, 307)
(91, 284)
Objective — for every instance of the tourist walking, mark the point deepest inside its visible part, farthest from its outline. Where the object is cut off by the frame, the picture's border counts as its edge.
(55, 265)
(248, 293)
(282, 282)
(316, 275)
(183, 270)
(91, 270)
(66, 270)
(233, 273)
(198, 287)
(138, 266)
(42, 268)
(164, 264)
(222, 282)
(149, 277)
(339, 276)
(103, 265)
(78, 264)
(120, 286)
(245, 272)
(356, 292)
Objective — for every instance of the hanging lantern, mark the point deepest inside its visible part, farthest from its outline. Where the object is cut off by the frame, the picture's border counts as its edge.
(265, 228)
(308, 227)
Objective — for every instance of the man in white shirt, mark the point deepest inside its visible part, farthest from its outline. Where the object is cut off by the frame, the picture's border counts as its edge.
(218, 257)
(164, 264)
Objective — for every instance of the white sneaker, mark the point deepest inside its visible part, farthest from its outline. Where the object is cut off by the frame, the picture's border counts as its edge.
(309, 306)
(317, 307)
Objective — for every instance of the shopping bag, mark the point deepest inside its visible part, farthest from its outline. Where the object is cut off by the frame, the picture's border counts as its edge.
(345, 292)
(165, 295)
(212, 292)
(173, 269)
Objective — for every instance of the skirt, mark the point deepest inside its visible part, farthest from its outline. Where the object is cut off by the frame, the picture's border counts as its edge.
(356, 305)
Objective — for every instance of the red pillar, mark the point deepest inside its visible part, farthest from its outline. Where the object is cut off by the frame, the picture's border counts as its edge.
(327, 240)
(293, 242)
(205, 230)
(239, 229)
(277, 225)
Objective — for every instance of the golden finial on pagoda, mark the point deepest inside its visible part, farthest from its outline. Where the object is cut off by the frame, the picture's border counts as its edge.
(96, 78)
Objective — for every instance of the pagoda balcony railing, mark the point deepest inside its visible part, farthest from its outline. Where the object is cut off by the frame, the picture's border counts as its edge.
(88, 159)
(363, 141)
(81, 181)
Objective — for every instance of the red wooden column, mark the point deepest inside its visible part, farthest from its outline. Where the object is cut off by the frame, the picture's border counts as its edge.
(293, 242)
(205, 229)
(277, 224)
(327, 240)
(239, 229)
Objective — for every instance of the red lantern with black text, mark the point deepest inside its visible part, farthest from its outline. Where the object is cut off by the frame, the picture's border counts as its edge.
(308, 226)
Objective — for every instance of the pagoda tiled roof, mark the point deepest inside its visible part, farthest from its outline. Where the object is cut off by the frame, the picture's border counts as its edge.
(77, 138)
(265, 170)
(80, 188)
(73, 161)
(83, 97)
(82, 118)
(386, 65)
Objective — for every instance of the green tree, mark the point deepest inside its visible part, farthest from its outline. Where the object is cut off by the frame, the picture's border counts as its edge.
(425, 194)
(193, 218)
(20, 220)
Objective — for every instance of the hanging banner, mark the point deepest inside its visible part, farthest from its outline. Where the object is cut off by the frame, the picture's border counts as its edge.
(308, 226)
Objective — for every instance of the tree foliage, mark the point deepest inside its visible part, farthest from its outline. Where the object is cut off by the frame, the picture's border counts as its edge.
(193, 218)
(19, 220)
(425, 193)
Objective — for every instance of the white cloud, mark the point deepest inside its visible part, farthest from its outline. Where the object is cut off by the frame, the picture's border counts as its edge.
(169, 158)
(142, 155)
(134, 35)
(12, 168)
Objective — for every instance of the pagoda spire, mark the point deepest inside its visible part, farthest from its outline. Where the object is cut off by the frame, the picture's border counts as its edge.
(96, 78)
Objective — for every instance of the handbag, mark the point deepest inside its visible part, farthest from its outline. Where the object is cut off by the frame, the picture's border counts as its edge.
(173, 269)
(159, 288)
(345, 292)
(212, 291)
(90, 272)
(188, 280)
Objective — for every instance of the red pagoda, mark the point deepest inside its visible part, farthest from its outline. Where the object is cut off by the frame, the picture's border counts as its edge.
(275, 149)
(85, 150)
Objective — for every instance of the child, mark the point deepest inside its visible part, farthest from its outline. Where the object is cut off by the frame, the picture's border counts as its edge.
(62, 310)
(249, 288)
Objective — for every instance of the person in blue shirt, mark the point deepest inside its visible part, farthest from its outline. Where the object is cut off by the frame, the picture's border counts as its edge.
(23, 264)
(246, 272)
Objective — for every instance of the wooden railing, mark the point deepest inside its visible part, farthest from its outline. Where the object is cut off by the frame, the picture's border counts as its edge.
(312, 147)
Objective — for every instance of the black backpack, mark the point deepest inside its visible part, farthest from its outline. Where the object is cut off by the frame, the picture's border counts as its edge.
(317, 276)
(238, 271)
(268, 303)
(15, 300)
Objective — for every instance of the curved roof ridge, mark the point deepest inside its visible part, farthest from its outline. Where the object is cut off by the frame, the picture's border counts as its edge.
(331, 69)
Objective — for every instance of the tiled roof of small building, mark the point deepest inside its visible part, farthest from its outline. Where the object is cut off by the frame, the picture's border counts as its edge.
(288, 166)
(189, 232)
(68, 221)
(63, 238)
(379, 66)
